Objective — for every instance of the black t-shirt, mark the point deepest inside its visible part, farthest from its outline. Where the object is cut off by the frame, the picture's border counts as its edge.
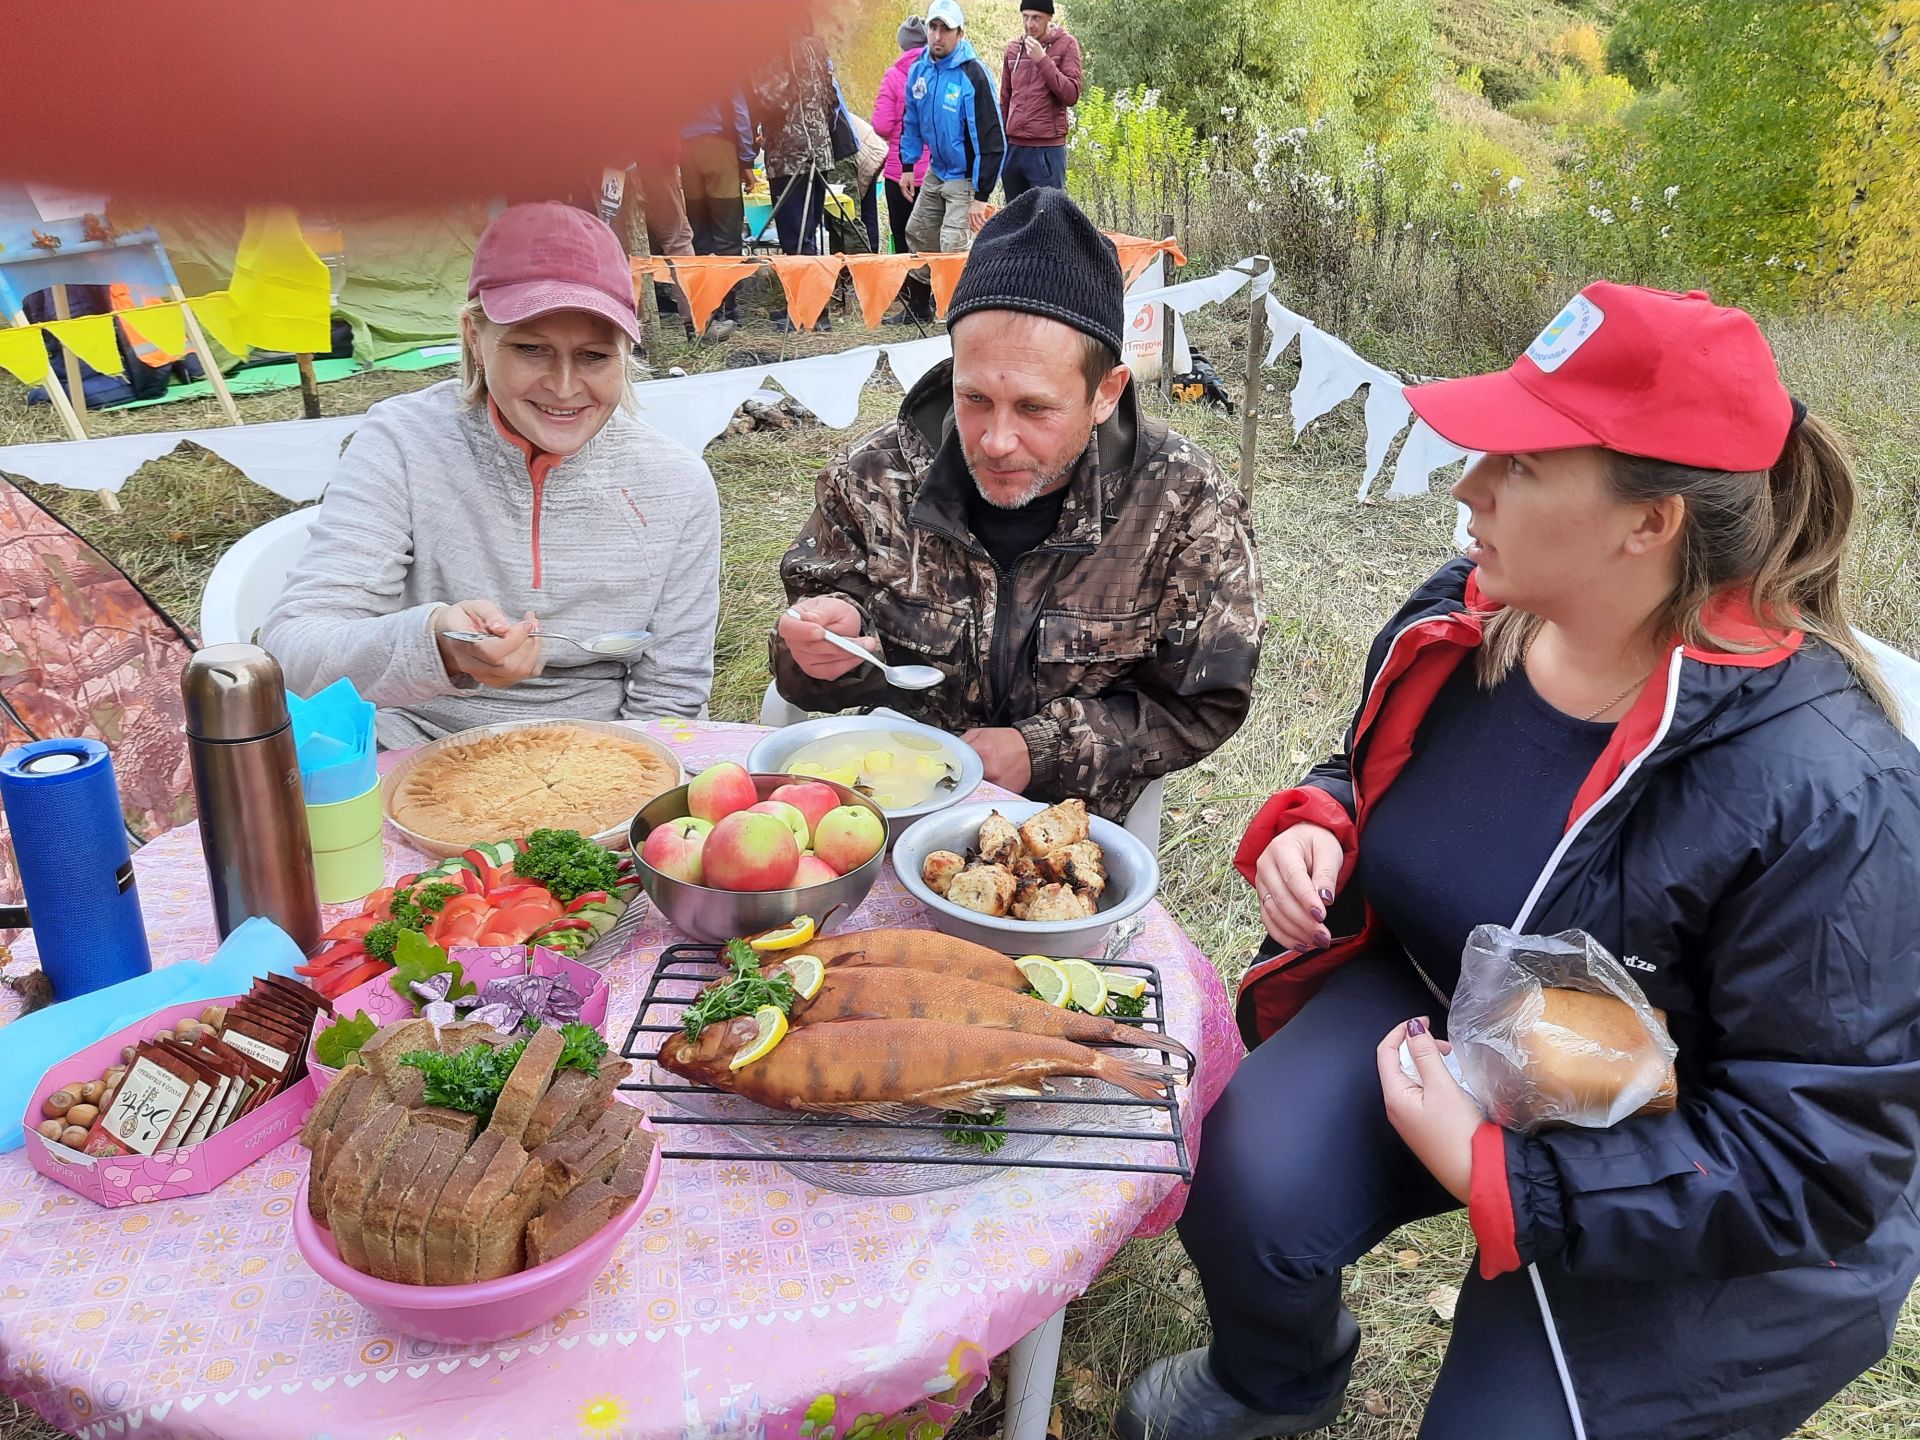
(1464, 831)
(1009, 534)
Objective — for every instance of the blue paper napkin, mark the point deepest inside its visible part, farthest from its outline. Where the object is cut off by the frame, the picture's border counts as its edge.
(34, 1044)
(333, 735)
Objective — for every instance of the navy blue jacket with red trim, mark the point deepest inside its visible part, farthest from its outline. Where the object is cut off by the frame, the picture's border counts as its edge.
(1751, 840)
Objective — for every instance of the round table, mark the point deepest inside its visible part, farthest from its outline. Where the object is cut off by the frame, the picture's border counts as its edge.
(743, 1303)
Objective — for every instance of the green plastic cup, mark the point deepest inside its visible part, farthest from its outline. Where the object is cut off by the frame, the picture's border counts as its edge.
(349, 862)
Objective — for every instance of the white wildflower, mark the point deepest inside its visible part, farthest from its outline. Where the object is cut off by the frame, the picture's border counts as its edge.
(1457, 187)
(1665, 231)
(1634, 205)
(1150, 100)
(1772, 260)
(1514, 184)
(1670, 192)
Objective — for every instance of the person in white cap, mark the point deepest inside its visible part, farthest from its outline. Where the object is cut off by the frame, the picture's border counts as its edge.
(953, 118)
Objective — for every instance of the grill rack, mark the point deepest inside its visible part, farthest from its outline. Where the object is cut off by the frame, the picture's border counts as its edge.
(684, 969)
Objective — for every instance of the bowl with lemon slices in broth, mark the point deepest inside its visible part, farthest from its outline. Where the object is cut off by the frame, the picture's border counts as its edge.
(907, 769)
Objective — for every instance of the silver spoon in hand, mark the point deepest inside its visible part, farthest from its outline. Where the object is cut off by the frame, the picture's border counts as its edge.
(613, 645)
(901, 677)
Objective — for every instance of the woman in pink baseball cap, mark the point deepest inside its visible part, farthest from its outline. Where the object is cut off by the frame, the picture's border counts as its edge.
(527, 488)
(1635, 709)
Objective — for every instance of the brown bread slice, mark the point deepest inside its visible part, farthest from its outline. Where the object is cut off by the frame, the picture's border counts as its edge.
(557, 1107)
(631, 1173)
(576, 1218)
(406, 1086)
(384, 1199)
(441, 1264)
(456, 1122)
(410, 1225)
(382, 1053)
(496, 1182)
(320, 1118)
(531, 1074)
(503, 1239)
(346, 1118)
(355, 1171)
(600, 1091)
(589, 1155)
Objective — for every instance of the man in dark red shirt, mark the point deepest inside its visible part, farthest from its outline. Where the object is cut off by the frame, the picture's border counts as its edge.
(1039, 84)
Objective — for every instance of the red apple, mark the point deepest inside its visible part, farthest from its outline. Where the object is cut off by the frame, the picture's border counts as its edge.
(720, 790)
(788, 816)
(673, 849)
(813, 871)
(812, 799)
(750, 852)
(848, 836)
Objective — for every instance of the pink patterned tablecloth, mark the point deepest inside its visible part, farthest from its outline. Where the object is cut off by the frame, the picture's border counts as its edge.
(743, 1304)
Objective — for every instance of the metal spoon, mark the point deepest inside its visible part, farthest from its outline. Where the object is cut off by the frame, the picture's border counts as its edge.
(903, 677)
(613, 645)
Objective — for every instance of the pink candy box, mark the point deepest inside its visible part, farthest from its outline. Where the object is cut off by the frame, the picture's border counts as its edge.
(384, 1006)
(115, 1180)
(488, 1310)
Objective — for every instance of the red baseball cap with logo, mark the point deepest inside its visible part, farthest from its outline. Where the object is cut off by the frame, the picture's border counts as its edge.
(536, 259)
(1645, 372)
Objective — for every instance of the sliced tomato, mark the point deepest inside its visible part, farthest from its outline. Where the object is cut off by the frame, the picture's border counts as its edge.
(523, 919)
(352, 928)
(592, 897)
(461, 930)
(332, 960)
(499, 894)
(484, 865)
(335, 986)
(453, 916)
(380, 903)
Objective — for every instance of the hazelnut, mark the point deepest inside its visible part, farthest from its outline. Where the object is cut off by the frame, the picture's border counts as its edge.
(91, 1092)
(114, 1076)
(214, 1016)
(83, 1115)
(126, 1054)
(60, 1102)
(74, 1137)
(52, 1129)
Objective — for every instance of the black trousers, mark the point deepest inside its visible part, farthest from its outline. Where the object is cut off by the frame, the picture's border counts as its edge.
(1029, 167)
(1300, 1174)
(917, 294)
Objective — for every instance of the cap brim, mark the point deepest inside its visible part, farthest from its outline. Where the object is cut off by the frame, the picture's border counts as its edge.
(1495, 414)
(511, 304)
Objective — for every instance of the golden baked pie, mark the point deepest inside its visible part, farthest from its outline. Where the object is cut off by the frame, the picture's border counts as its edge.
(496, 787)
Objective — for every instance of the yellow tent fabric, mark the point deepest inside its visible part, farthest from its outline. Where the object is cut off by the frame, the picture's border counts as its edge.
(280, 291)
(23, 354)
(91, 337)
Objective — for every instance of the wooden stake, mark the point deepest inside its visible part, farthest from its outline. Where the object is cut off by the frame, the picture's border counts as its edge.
(1250, 406)
(64, 409)
(1166, 318)
(207, 362)
(63, 310)
(309, 387)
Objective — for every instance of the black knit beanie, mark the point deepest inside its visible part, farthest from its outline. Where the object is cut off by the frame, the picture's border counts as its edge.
(1045, 7)
(1041, 254)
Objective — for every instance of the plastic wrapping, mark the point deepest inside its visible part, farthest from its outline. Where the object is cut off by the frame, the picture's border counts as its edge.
(1538, 1050)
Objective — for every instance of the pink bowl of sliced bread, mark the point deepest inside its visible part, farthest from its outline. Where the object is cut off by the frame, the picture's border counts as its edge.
(463, 1234)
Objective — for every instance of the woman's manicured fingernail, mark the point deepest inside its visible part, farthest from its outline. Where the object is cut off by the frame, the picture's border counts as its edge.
(1416, 1027)
(1326, 897)
(1319, 914)
(1323, 939)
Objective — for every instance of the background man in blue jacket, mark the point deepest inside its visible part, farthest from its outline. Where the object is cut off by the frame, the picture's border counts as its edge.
(953, 114)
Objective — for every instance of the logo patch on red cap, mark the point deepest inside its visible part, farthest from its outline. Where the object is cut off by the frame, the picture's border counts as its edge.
(1566, 333)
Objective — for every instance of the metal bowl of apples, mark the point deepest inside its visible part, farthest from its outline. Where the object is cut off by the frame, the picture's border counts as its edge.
(733, 853)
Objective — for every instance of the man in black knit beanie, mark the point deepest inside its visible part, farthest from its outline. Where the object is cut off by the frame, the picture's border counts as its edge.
(1084, 578)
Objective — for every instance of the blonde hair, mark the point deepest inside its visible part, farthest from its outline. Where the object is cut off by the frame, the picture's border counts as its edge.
(474, 325)
(1780, 533)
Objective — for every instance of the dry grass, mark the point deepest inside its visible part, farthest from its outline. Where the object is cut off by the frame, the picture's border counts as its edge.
(1334, 572)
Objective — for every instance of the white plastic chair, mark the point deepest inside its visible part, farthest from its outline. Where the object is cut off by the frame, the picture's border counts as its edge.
(249, 578)
(1902, 674)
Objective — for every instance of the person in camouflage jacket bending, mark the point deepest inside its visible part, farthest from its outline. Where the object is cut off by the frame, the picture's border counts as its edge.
(1084, 577)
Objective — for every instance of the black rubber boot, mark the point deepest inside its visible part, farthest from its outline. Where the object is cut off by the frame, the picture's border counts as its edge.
(1178, 1399)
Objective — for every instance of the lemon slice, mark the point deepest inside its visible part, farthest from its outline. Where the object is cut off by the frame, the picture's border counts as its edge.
(1134, 987)
(796, 931)
(808, 973)
(1089, 986)
(1047, 978)
(770, 1028)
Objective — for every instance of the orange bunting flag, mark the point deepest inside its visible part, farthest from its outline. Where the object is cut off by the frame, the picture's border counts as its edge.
(944, 272)
(877, 280)
(645, 268)
(808, 281)
(706, 280)
(1136, 254)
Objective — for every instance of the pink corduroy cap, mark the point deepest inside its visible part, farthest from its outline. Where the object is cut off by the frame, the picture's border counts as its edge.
(536, 259)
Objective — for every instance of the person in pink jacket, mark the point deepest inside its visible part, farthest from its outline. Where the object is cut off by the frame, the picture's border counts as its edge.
(889, 107)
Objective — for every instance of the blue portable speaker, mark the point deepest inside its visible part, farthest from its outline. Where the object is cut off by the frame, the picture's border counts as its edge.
(63, 810)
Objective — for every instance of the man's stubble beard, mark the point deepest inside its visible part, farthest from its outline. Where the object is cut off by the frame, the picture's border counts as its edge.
(1042, 482)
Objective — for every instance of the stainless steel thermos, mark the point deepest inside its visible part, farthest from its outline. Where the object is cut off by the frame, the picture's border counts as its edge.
(246, 779)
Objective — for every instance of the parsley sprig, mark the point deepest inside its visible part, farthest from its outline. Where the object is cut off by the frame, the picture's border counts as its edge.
(741, 994)
(985, 1133)
(1127, 1007)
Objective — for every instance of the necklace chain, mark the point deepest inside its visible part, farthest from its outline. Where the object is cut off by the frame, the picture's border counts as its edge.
(1527, 654)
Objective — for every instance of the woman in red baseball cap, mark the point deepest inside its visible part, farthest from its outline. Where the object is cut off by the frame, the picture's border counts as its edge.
(527, 488)
(1634, 709)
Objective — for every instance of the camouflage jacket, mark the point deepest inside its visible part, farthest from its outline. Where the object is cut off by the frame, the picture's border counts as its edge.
(793, 104)
(1124, 647)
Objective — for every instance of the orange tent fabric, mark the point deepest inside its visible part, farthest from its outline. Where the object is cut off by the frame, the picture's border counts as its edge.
(944, 272)
(808, 281)
(877, 279)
